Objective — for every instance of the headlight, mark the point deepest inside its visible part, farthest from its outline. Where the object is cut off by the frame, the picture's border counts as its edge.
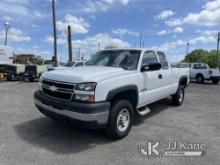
(85, 98)
(86, 87)
(85, 92)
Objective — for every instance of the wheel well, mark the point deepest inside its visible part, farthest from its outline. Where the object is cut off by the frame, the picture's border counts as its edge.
(130, 95)
(199, 74)
(183, 82)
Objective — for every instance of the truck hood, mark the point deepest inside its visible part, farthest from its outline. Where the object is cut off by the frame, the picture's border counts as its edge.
(85, 74)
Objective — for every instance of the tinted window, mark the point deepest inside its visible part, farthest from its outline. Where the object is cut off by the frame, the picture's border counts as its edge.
(31, 68)
(149, 58)
(199, 66)
(163, 60)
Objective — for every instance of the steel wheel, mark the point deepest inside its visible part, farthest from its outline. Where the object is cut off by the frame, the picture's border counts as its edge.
(123, 120)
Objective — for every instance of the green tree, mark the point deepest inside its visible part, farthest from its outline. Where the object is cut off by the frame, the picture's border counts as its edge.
(203, 56)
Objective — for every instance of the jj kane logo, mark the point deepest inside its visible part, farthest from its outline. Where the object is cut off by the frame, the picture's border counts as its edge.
(157, 148)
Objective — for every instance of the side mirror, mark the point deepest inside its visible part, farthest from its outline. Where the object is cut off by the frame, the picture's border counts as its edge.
(151, 67)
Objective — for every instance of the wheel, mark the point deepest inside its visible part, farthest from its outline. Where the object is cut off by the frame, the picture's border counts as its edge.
(120, 119)
(200, 78)
(178, 98)
(215, 81)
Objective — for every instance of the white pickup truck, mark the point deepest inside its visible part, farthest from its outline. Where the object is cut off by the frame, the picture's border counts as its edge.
(201, 72)
(113, 86)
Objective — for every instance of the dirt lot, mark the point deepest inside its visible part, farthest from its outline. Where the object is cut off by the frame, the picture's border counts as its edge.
(27, 137)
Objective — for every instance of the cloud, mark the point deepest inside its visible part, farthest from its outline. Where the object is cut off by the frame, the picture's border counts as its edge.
(165, 14)
(178, 30)
(102, 5)
(208, 16)
(174, 22)
(78, 25)
(15, 35)
(89, 44)
(7, 18)
(162, 32)
(124, 32)
(14, 7)
(205, 37)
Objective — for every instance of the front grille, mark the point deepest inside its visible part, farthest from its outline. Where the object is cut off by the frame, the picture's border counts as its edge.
(60, 90)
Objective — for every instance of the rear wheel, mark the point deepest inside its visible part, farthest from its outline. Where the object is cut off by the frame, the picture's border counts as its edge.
(178, 98)
(120, 119)
(200, 78)
(215, 81)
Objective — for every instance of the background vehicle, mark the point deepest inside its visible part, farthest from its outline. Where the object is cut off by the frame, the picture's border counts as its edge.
(113, 86)
(33, 72)
(70, 64)
(201, 72)
(12, 71)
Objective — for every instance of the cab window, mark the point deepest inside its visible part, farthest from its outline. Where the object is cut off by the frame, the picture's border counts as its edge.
(149, 58)
(163, 60)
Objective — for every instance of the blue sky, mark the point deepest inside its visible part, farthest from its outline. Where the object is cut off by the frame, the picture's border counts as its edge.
(166, 24)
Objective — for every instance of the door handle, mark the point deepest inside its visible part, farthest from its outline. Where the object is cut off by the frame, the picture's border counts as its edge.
(160, 76)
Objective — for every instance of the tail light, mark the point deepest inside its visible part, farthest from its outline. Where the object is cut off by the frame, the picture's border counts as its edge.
(210, 72)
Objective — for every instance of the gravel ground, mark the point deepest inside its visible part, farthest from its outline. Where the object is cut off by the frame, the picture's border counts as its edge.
(27, 137)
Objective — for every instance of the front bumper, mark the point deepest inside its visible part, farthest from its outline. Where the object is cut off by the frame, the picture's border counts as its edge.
(89, 115)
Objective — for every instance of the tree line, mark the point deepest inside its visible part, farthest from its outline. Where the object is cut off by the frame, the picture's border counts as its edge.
(203, 56)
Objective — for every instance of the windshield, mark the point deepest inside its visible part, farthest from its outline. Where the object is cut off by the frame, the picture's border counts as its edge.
(31, 68)
(125, 59)
(69, 64)
(47, 62)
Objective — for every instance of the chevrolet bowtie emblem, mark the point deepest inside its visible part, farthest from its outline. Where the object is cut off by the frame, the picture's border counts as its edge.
(53, 88)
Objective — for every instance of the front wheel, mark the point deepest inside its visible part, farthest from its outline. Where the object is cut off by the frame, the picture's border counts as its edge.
(120, 119)
(178, 97)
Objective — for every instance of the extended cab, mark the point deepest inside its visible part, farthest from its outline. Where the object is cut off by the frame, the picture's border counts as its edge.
(113, 86)
(201, 72)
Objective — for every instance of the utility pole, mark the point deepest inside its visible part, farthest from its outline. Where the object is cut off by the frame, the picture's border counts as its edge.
(99, 46)
(7, 27)
(141, 35)
(54, 33)
(218, 58)
(70, 44)
(187, 48)
(143, 44)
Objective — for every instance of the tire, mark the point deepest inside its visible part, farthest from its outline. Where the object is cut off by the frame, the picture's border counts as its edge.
(27, 79)
(215, 81)
(200, 79)
(121, 113)
(178, 98)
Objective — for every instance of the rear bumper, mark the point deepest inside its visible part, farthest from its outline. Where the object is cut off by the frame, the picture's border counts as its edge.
(214, 77)
(88, 115)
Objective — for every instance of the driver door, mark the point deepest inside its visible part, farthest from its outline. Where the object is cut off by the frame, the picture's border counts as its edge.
(151, 83)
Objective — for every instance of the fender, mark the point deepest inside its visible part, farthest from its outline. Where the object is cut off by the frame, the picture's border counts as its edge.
(114, 92)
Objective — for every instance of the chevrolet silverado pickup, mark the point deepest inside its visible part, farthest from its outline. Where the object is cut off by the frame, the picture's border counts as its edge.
(114, 85)
(201, 72)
